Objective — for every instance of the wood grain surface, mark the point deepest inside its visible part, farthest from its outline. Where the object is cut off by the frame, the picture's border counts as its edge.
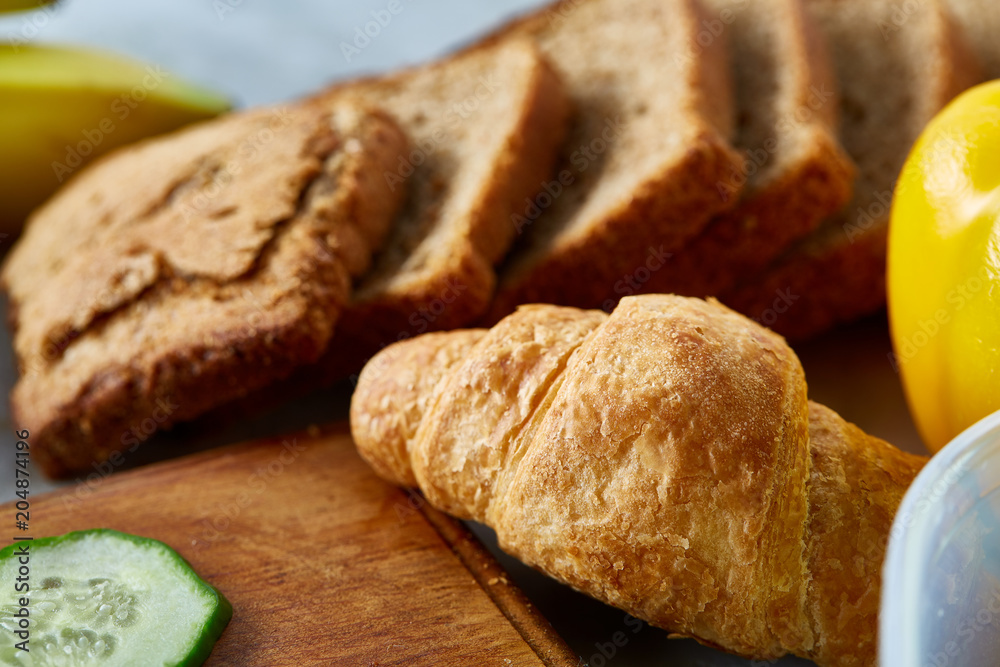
(324, 563)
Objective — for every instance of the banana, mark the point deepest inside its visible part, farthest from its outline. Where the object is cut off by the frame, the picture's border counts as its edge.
(62, 107)
(22, 5)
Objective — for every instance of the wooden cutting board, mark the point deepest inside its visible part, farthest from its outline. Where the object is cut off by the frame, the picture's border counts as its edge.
(324, 563)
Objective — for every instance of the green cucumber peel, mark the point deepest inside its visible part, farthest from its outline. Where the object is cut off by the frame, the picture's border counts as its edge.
(106, 598)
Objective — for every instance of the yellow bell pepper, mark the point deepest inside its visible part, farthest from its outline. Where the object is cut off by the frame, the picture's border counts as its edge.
(944, 268)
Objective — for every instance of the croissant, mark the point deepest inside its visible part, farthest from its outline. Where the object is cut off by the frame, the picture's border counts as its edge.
(663, 459)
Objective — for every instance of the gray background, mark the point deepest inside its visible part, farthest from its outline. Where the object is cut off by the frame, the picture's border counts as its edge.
(258, 51)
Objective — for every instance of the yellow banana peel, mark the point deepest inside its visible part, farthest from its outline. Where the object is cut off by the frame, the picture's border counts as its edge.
(22, 5)
(944, 268)
(62, 107)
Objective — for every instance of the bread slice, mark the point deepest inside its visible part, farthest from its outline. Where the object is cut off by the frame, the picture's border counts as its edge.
(980, 21)
(894, 75)
(796, 172)
(485, 127)
(651, 86)
(189, 270)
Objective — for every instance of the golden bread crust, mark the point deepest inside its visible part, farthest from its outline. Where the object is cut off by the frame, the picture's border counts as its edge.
(188, 270)
(837, 273)
(486, 125)
(644, 154)
(796, 172)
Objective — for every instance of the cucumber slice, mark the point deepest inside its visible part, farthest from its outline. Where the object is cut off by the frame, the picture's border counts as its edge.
(105, 598)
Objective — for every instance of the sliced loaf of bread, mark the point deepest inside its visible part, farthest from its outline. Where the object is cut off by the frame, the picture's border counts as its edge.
(896, 70)
(796, 172)
(185, 271)
(485, 128)
(651, 87)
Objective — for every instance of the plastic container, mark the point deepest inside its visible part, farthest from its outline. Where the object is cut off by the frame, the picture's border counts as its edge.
(941, 581)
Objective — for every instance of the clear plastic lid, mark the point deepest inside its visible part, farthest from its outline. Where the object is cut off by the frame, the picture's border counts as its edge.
(941, 579)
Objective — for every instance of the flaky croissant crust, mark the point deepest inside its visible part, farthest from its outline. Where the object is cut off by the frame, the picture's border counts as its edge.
(664, 459)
